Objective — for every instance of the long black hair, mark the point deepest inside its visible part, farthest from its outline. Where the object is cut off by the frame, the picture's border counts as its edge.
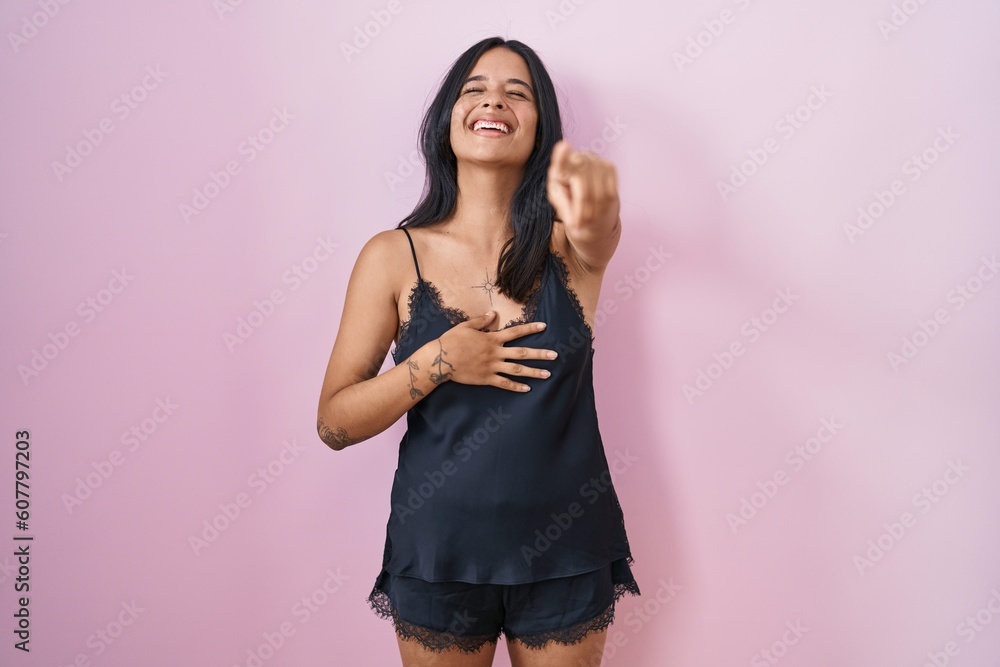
(531, 214)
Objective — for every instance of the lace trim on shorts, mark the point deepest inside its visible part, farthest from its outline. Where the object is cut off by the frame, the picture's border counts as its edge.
(438, 641)
(433, 640)
(576, 633)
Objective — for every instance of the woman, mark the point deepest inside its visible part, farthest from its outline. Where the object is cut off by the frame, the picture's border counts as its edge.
(503, 515)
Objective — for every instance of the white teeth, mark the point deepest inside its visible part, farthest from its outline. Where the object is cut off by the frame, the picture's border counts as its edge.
(491, 125)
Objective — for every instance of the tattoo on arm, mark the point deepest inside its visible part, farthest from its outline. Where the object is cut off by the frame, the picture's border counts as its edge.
(337, 439)
(414, 392)
(441, 375)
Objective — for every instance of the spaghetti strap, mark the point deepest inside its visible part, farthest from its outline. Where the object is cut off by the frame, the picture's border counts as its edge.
(414, 252)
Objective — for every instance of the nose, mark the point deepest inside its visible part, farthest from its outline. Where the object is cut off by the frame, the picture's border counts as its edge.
(486, 103)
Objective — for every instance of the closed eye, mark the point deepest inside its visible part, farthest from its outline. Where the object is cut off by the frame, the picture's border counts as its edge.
(479, 90)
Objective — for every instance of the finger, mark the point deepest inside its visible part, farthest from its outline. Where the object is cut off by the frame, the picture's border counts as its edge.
(579, 158)
(506, 383)
(529, 353)
(558, 189)
(512, 368)
(590, 192)
(598, 199)
(569, 183)
(480, 320)
(584, 193)
(561, 151)
(578, 192)
(558, 195)
(579, 161)
(611, 190)
(510, 333)
(611, 181)
(559, 160)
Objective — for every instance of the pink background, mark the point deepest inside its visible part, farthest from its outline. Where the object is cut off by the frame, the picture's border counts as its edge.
(712, 594)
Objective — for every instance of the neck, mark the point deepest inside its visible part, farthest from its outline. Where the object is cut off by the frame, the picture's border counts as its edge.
(482, 210)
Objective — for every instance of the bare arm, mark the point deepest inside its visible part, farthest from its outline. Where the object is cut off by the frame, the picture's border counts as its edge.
(583, 189)
(356, 403)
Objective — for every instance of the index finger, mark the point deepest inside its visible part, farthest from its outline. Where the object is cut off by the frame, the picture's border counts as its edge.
(560, 156)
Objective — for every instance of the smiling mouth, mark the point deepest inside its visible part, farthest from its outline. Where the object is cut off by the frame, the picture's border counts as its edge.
(491, 128)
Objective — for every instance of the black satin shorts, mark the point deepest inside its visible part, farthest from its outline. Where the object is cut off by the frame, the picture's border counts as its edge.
(452, 614)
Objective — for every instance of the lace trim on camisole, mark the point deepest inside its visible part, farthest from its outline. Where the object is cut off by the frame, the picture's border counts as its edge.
(562, 271)
(457, 315)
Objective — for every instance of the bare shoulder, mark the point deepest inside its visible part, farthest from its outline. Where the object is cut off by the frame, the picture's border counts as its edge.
(381, 259)
(385, 245)
(368, 319)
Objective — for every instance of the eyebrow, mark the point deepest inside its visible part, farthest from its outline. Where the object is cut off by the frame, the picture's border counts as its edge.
(483, 78)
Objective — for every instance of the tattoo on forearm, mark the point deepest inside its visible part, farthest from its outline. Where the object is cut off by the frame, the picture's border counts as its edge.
(414, 392)
(336, 439)
(441, 375)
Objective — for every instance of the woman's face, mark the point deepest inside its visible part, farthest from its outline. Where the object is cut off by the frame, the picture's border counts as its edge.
(499, 88)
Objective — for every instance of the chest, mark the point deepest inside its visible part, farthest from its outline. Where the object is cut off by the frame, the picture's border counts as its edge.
(426, 313)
